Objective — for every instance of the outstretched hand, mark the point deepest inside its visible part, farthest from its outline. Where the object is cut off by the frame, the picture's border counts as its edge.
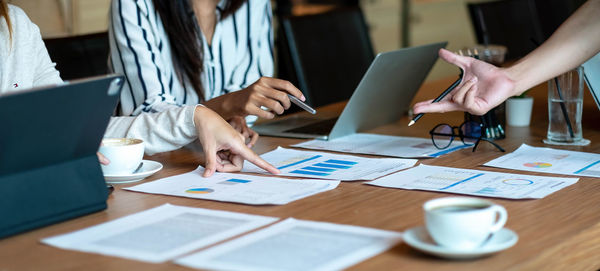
(225, 149)
(483, 87)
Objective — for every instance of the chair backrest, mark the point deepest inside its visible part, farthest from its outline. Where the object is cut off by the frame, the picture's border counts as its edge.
(514, 23)
(79, 56)
(326, 54)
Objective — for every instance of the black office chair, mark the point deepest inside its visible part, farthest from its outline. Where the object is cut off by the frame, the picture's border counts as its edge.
(79, 56)
(514, 23)
(326, 54)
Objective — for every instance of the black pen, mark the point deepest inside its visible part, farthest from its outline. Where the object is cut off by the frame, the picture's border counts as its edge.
(439, 98)
(302, 105)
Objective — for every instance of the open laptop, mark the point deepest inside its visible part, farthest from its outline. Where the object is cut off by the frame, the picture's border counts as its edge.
(591, 70)
(49, 170)
(382, 96)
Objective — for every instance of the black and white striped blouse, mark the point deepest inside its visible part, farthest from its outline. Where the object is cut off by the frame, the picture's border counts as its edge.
(240, 53)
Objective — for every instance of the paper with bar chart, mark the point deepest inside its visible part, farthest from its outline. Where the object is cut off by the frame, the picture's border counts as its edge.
(550, 160)
(247, 189)
(160, 233)
(384, 145)
(474, 182)
(296, 245)
(324, 165)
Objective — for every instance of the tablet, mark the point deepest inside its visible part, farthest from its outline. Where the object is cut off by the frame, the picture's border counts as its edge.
(49, 170)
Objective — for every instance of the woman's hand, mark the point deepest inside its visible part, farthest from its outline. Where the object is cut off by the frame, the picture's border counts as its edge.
(484, 86)
(240, 125)
(225, 149)
(266, 92)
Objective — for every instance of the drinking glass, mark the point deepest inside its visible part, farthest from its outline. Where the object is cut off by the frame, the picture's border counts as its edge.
(565, 107)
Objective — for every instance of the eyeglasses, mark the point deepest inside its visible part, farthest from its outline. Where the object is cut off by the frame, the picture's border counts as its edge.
(470, 133)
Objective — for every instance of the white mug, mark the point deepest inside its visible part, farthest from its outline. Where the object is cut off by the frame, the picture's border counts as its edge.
(463, 223)
(125, 155)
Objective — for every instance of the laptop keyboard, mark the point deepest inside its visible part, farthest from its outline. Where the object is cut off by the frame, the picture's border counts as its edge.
(318, 128)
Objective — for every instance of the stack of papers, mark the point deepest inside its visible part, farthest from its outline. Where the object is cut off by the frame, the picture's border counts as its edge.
(168, 231)
(296, 245)
(229, 187)
(550, 160)
(385, 145)
(474, 182)
(309, 164)
(159, 234)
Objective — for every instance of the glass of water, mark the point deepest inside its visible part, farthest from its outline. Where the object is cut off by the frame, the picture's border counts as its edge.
(565, 103)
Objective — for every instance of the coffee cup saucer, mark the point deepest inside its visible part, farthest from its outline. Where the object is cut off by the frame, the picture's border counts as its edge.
(419, 239)
(148, 168)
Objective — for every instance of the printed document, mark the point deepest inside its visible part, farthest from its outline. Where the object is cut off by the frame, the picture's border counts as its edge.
(159, 234)
(296, 245)
(384, 145)
(239, 188)
(324, 165)
(474, 182)
(549, 160)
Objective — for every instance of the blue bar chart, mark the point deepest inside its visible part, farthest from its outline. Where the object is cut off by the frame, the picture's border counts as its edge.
(330, 166)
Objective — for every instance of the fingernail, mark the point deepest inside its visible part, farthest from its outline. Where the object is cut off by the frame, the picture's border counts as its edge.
(303, 98)
(473, 80)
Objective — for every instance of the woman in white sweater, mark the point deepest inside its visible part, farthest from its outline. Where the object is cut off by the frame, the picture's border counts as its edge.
(24, 63)
(177, 52)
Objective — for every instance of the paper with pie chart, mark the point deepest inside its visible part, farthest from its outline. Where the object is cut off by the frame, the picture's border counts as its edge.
(474, 182)
(550, 160)
(322, 165)
(239, 188)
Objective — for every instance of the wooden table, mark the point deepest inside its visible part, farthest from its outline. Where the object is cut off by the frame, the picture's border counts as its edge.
(561, 231)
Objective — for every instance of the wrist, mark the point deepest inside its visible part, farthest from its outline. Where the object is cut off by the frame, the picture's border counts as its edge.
(220, 105)
(517, 77)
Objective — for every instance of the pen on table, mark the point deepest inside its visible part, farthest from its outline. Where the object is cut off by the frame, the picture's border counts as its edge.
(439, 98)
(302, 105)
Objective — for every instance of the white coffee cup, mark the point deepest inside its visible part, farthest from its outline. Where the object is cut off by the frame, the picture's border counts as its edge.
(125, 155)
(462, 223)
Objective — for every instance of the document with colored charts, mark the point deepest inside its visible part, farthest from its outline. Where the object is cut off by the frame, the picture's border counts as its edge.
(296, 245)
(239, 188)
(384, 145)
(474, 182)
(549, 160)
(322, 165)
(160, 233)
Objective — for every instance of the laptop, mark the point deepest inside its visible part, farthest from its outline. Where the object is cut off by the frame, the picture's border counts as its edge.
(591, 70)
(49, 170)
(382, 96)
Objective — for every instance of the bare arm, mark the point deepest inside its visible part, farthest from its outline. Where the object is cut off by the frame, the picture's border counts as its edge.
(574, 42)
(485, 86)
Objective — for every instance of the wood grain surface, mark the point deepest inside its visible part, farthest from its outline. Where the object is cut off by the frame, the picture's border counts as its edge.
(559, 232)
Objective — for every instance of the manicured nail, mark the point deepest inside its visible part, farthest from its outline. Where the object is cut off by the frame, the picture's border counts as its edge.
(303, 98)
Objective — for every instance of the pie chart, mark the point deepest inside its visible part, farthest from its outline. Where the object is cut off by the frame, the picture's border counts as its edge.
(538, 165)
(199, 191)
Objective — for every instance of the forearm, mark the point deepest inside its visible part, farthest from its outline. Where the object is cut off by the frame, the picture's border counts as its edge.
(161, 132)
(575, 41)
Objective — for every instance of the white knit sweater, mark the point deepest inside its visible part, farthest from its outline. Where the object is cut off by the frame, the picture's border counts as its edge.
(24, 63)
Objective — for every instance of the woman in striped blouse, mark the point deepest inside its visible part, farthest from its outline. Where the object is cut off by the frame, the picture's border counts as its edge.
(176, 52)
(24, 64)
